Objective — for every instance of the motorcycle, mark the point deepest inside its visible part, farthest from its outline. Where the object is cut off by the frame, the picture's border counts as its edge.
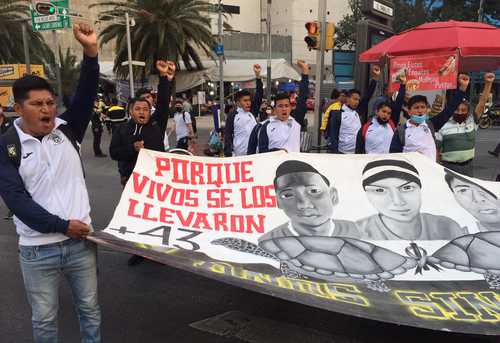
(490, 117)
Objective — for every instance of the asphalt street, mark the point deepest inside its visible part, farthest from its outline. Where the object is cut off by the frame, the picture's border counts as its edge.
(155, 303)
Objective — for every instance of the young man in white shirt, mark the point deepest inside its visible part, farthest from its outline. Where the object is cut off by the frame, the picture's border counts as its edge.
(182, 126)
(239, 124)
(42, 182)
(418, 134)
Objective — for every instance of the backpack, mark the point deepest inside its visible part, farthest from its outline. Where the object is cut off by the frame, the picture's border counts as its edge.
(13, 144)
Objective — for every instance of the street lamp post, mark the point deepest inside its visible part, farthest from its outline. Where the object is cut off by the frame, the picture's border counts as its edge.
(129, 53)
(269, 47)
(221, 64)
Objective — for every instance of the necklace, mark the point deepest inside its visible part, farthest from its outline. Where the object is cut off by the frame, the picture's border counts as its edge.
(399, 236)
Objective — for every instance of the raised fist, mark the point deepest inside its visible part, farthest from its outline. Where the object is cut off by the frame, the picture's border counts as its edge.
(166, 69)
(489, 77)
(304, 67)
(257, 70)
(463, 82)
(86, 36)
(376, 72)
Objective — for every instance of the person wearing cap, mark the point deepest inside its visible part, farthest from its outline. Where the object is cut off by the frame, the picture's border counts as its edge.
(308, 200)
(418, 134)
(480, 202)
(240, 124)
(393, 187)
(282, 130)
(457, 138)
(375, 135)
(182, 126)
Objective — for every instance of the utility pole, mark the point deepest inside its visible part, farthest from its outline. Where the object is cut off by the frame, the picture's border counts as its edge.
(27, 60)
(58, 64)
(480, 12)
(320, 62)
(221, 65)
(269, 57)
(129, 51)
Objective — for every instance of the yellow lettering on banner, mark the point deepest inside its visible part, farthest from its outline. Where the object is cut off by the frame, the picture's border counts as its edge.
(221, 268)
(345, 293)
(198, 264)
(453, 309)
(283, 282)
(312, 288)
(421, 305)
(486, 304)
(263, 278)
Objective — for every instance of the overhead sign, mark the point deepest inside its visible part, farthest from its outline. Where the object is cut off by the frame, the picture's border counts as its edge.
(50, 15)
(380, 7)
(438, 71)
(15, 71)
(395, 238)
(219, 49)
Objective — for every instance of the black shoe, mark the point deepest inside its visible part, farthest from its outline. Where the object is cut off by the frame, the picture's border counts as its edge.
(493, 153)
(101, 155)
(135, 260)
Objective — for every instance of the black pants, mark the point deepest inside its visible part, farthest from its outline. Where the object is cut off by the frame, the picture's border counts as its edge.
(97, 132)
(183, 143)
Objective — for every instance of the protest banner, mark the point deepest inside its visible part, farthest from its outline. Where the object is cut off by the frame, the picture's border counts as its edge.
(428, 72)
(395, 238)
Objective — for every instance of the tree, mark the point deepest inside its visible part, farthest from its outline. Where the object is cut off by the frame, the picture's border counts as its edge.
(164, 29)
(12, 51)
(411, 13)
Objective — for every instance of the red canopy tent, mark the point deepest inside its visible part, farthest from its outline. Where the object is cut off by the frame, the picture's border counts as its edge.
(478, 44)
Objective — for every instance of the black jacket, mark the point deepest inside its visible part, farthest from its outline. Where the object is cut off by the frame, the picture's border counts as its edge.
(126, 134)
(6, 124)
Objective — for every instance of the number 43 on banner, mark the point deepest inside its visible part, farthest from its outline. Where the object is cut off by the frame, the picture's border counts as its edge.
(164, 232)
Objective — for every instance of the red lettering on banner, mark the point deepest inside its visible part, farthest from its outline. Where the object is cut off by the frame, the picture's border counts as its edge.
(166, 215)
(235, 172)
(191, 198)
(139, 185)
(217, 178)
(145, 213)
(220, 222)
(201, 218)
(253, 226)
(180, 174)
(151, 190)
(245, 171)
(131, 208)
(197, 173)
(259, 197)
(162, 164)
(237, 224)
(219, 198)
(185, 221)
(162, 194)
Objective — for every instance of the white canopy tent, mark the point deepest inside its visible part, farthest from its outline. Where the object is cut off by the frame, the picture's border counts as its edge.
(234, 71)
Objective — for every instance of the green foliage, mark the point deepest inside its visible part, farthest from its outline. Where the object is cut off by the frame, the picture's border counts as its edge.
(12, 50)
(164, 29)
(411, 13)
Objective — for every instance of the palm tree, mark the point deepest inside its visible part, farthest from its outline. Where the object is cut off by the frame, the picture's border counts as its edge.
(11, 14)
(164, 29)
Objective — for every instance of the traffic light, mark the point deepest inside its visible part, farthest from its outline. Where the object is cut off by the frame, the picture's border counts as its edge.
(313, 35)
(45, 8)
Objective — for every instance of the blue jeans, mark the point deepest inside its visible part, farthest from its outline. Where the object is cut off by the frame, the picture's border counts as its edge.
(42, 267)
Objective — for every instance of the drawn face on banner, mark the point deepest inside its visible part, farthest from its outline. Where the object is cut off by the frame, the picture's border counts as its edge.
(478, 201)
(396, 198)
(306, 198)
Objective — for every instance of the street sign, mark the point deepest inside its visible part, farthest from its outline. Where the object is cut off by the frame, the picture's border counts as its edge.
(219, 49)
(50, 15)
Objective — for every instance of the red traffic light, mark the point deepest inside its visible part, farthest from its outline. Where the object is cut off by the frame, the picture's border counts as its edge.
(45, 8)
(312, 28)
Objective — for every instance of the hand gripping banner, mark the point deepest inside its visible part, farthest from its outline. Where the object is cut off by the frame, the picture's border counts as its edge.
(395, 238)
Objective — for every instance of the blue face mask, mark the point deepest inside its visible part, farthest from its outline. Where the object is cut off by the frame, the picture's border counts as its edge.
(419, 119)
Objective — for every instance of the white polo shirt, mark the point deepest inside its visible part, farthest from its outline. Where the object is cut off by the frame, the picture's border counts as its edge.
(181, 120)
(378, 138)
(419, 139)
(348, 132)
(244, 123)
(52, 174)
(284, 134)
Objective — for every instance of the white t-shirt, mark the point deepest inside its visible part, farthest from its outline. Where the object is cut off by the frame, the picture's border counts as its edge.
(419, 138)
(284, 135)
(244, 123)
(181, 120)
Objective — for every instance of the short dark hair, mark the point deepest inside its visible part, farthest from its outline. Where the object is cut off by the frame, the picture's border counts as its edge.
(335, 94)
(350, 92)
(450, 175)
(282, 96)
(141, 91)
(294, 167)
(242, 93)
(383, 104)
(28, 83)
(135, 100)
(416, 99)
